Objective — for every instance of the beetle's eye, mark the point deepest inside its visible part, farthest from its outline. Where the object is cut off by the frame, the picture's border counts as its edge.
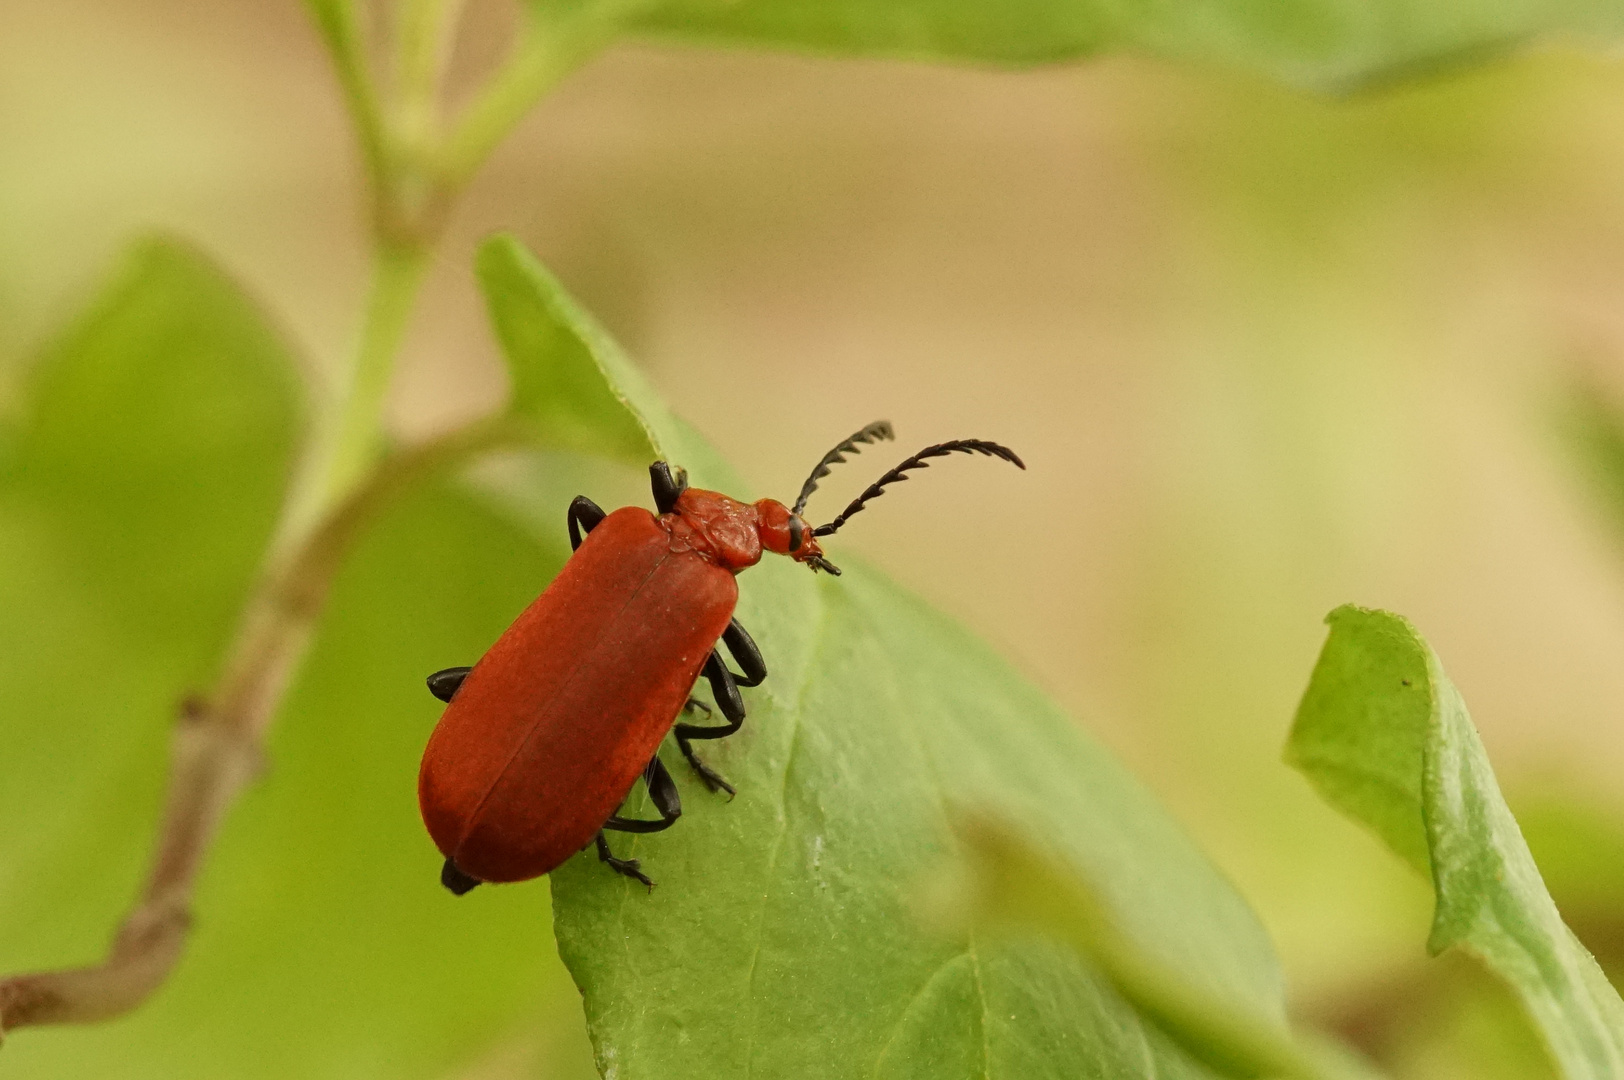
(794, 533)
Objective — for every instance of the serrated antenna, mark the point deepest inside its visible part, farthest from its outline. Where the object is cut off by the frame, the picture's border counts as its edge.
(918, 461)
(879, 429)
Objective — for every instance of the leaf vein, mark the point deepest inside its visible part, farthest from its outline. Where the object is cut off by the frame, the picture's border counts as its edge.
(981, 996)
(902, 1017)
(819, 634)
(922, 747)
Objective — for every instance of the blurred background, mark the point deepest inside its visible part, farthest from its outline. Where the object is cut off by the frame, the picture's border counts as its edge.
(1264, 353)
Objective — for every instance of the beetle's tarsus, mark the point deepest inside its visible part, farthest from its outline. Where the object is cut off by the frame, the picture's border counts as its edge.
(629, 867)
(695, 705)
(713, 779)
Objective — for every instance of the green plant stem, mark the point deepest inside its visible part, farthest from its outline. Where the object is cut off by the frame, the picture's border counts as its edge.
(544, 54)
(339, 23)
(216, 749)
(426, 33)
(397, 276)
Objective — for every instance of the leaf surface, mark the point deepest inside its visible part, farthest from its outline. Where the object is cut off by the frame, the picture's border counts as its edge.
(1013, 888)
(565, 402)
(1385, 737)
(781, 940)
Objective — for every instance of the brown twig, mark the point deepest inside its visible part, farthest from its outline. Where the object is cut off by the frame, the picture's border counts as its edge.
(217, 747)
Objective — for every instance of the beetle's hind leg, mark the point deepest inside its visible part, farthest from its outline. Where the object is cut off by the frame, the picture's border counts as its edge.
(452, 877)
(662, 791)
(629, 867)
(444, 683)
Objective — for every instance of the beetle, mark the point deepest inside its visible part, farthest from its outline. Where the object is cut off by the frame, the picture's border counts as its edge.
(542, 740)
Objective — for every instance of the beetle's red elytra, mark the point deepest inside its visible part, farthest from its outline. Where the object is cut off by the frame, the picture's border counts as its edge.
(542, 739)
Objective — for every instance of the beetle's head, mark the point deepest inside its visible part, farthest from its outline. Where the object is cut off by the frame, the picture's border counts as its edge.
(784, 531)
(730, 529)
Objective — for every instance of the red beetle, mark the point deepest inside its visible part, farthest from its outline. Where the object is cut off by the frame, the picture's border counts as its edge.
(542, 740)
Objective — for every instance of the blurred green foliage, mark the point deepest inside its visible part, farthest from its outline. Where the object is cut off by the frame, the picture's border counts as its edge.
(141, 484)
(1325, 44)
(145, 481)
(1385, 737)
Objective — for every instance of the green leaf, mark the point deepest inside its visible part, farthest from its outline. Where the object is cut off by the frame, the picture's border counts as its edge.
(154, 441)
(157, 438)
(1012, 888)
(1385, 737)
(781, 940)
(1326, 44)
(155, 446)
(557, 386)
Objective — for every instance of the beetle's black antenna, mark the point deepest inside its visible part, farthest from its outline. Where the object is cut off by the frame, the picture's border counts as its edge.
(966, 446)
(879, 429)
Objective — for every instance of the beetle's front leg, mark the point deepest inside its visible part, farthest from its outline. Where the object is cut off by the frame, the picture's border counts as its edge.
(668, 487)
(726, 692)
(584, 515)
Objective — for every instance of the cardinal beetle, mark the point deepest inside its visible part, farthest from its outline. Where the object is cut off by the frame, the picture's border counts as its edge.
(542, 740)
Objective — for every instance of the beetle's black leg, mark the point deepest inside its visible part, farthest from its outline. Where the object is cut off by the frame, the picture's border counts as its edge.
(663, 791)
(745, 654)
(694, 704)
(726, 692)
(583, 517)
(629, 867)
(443, 684)
(455, 880)
(666, 486)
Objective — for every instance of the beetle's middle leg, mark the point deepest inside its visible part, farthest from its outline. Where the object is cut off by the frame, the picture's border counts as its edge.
(726, 692)
(752, 668)
(725, 688)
